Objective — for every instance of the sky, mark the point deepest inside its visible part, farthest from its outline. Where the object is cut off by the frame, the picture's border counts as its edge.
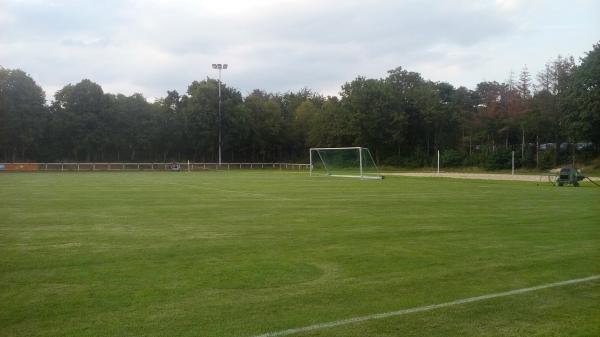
(151, 46)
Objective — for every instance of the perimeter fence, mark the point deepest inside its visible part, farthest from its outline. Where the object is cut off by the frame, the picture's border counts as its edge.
(174, 166)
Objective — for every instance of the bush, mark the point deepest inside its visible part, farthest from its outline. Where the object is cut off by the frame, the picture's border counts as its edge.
(546, 159)
(451, 158)
(529, 160)
(413, 161)
(473, 160)
(498, 160)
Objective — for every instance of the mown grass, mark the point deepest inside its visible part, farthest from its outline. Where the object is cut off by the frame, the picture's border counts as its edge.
(243, 253)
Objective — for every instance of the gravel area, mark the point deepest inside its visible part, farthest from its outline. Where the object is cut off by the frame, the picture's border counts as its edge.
(485, 176)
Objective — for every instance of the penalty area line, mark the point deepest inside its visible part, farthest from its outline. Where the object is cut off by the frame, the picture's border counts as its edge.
(424, 308)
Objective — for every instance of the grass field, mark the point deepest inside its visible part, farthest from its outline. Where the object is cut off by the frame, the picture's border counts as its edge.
(247, 253)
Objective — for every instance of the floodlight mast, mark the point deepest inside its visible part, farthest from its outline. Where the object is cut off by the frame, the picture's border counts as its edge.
(220, 66)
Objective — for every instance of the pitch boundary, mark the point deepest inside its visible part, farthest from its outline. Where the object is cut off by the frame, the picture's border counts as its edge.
(357, 319)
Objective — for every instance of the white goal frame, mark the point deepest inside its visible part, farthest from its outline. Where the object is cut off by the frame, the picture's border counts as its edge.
(360, 160)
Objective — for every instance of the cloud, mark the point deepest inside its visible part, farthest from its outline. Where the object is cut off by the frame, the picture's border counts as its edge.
(278, 45)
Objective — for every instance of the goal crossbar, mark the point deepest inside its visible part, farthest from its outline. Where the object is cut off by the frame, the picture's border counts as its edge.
(337, 148)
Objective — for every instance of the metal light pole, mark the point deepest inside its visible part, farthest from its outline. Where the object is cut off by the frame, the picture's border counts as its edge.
(220, 67)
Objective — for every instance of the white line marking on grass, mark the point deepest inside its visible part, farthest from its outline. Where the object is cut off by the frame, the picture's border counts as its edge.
(425, 308)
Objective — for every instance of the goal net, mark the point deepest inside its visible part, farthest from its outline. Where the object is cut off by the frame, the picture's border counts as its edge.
(353, 162)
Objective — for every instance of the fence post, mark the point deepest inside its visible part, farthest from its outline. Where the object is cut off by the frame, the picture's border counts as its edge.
(513, 164)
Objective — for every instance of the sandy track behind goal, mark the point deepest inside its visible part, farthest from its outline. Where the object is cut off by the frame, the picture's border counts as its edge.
(484, 176)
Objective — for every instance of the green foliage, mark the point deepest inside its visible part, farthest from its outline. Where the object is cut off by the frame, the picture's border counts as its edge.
(451, 158)
(547, 159)
(237, 253)
(498, 160)
(22, 115)
(583, 101)
(402, 118)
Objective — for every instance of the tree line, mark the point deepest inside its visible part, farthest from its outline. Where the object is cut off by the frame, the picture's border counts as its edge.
(403, 118)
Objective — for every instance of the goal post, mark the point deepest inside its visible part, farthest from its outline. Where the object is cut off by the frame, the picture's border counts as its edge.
(351, 162)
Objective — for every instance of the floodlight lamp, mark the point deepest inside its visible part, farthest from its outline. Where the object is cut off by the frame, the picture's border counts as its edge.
(225, 66)
(214, 66)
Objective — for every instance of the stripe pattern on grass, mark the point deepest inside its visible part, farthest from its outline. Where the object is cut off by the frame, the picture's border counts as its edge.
(424, 308)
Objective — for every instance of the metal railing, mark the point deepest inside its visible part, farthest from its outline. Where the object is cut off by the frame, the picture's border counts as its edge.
(174, 166)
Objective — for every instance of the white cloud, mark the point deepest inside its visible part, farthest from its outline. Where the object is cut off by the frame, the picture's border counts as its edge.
(279, 45)
(509, 5)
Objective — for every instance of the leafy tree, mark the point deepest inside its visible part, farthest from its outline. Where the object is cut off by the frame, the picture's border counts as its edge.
(305, 118)
(22, 112)
(265, 123)
(492, 112)
(201, 122)
(465, 102)
(414, 101)
(77, 109)
(554, 81)
(376, 117)
(168, 142)
(583, 99)
(138, 126)
(295, 123)
(332, 125)
(403, 118)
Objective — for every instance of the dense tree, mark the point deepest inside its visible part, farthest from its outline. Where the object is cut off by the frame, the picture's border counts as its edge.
(201, 121)
(298, 110)
(369, 104)
(265, 125)
(78, 112)
(583, 99)
(22, 114)
(554, 81)
(413, 103)
(403, 118)
(168, 141)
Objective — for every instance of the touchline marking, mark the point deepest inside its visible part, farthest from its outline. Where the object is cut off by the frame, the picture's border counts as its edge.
(425, 308)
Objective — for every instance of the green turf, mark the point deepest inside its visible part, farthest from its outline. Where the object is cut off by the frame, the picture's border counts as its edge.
(245, 253)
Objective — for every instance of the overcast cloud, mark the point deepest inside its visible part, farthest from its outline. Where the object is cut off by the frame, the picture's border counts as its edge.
(158, 45)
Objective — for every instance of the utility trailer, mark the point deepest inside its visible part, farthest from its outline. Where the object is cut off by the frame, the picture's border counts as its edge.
(568, 176)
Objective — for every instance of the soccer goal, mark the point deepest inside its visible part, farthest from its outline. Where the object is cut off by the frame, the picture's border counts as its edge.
(351, 162)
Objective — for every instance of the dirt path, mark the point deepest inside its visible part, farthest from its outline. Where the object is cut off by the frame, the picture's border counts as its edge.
(485, 176)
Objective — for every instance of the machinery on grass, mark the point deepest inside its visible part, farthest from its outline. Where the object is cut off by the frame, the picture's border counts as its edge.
(568, 176)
